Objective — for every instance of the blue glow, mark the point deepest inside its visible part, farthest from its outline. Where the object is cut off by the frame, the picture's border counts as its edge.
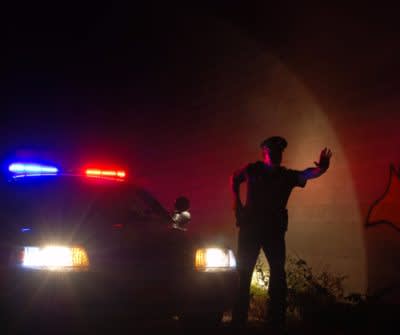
(25, 230)
(29, 169)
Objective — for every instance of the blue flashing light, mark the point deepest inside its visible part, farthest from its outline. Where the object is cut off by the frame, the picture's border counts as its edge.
(29, 169)
(25, 230)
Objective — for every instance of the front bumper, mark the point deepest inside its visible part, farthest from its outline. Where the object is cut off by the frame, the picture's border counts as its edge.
(85, 292)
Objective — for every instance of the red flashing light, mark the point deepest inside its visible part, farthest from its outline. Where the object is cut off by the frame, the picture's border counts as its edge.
(118, 225)
(105, 173)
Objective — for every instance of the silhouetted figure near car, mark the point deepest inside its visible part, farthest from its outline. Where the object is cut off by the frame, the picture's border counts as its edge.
(263, 222)
(181, 216)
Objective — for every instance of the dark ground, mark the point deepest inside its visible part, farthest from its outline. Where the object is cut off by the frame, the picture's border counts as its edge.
(377, 319)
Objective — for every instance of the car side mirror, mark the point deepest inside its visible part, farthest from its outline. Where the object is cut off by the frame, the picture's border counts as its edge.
(181, 216)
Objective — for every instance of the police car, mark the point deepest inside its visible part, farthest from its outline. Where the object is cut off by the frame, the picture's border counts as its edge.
(90, 240)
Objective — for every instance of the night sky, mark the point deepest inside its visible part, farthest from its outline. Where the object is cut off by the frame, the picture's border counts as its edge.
(183, 96)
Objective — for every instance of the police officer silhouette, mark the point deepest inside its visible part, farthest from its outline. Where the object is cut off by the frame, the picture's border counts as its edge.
(263, 222)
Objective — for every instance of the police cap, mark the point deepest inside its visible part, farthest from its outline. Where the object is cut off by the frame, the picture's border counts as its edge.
(274, 142)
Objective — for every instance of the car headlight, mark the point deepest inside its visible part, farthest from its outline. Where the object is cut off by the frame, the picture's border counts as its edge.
(214, 259)
(54, 257)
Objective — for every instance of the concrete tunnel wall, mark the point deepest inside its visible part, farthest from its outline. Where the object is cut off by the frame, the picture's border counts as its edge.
(248, 95)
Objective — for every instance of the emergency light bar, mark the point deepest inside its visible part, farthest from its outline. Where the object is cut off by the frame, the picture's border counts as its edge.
(19, 169)
(105, 173)
(31, 169)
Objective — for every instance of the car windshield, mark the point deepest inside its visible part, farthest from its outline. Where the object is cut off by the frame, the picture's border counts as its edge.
(68, 200)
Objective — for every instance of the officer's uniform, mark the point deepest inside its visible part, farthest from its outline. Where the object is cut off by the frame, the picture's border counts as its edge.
(263, 224)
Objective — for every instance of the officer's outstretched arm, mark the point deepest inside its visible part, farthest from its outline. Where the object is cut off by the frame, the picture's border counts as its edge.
(321, 166)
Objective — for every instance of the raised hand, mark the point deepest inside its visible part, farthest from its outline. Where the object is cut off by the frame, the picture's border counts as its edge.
(324, 159)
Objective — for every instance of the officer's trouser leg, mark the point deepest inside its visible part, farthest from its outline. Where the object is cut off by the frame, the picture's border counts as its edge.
(275, 252)
(248, 250)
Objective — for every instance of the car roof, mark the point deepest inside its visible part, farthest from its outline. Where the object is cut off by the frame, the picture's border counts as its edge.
(71, 179)
(77, 190)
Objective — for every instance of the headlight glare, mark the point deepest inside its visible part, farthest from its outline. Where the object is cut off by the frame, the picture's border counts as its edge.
(214, 259)
(55, 258)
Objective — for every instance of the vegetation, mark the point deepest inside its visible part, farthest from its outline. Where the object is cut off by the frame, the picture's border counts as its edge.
(314, 299)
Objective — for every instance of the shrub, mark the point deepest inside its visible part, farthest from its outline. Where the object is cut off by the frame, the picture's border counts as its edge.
(312, 297)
